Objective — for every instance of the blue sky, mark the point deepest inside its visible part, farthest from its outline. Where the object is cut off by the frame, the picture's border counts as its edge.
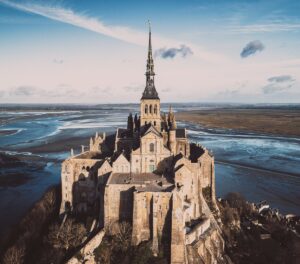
(95, 51)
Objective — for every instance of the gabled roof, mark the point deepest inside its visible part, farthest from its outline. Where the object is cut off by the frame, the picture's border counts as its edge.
(117, 154)
(150, 129)
(103, 162)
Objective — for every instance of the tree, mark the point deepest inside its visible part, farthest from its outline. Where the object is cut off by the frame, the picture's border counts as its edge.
(68, 236)
(14, 255)
(236, 200)
(121, 232)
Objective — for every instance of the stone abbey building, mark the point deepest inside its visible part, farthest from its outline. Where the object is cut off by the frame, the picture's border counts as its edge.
(151, 176)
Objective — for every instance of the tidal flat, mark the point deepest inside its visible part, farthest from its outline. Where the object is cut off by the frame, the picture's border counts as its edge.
(259, 165)
(282, 122)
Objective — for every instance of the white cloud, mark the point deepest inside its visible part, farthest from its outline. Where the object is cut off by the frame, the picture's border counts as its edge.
(264, 28)
(70, 17)
(123, 33)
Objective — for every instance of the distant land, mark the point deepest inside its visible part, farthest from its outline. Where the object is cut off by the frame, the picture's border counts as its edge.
(276, 121)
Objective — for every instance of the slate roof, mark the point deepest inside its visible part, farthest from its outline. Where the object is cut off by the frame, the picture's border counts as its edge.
(137, 178)
(150, 91)
(195, 152)
(147, 128)
(180, 133)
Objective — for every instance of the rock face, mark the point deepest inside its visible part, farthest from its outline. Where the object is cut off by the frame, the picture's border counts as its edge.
(151, 176)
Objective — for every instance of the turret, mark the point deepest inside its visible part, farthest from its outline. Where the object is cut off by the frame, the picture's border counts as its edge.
(171, 119)
(91, 144)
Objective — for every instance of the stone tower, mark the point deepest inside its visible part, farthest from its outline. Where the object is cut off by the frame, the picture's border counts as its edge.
(150, 103)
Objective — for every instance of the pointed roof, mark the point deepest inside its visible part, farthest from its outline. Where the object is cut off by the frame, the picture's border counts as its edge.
(150, 91)
(148, 129)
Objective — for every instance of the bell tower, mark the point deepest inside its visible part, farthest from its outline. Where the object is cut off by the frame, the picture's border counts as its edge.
(150, 102)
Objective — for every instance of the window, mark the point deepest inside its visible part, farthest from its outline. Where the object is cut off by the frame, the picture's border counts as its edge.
(155, 109)
(146, 109)
(151, 147)
(150, 109)
(154, 123)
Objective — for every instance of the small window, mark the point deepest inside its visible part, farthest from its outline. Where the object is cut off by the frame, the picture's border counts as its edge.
(146, 109)
(154, 123)
(150, 109)
(151, 147)
(155, 109)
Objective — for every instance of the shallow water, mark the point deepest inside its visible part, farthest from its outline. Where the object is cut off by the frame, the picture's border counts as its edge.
(260, 167)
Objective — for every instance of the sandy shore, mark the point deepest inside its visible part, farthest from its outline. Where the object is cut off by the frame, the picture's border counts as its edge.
(270, 121)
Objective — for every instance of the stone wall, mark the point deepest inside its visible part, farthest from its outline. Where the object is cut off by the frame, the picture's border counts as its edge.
(74, 170)
(197, 231)
(207, 169)
(147, 158)
(118, 203)
(178, 254)
(209, 248)
(151, 218)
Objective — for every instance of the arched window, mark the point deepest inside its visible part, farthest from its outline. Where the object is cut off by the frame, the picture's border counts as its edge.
(146, 109)
(151, 147)
(155, 109)
(150, 109)
(154, 123)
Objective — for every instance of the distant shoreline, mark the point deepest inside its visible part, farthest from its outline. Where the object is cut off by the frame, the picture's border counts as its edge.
(279, 122)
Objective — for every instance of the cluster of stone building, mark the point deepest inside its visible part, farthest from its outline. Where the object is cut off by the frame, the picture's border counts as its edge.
(150, 175)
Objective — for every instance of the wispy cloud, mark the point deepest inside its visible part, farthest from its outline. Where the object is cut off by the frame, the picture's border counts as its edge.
(281, 79)
(68, 16)
(228, 93)
(166, 90)
(165, 53)
(127, 34)
(23, 90)
(58, 61)
(133, 88)
(264, 28)
(33, 91)
(278, 84)
(251, 48)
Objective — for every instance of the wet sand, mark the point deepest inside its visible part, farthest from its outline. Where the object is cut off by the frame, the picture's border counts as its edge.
(7, 132)
(61, 145)
(284, 122)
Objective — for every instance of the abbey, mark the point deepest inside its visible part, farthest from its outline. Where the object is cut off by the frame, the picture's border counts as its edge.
(151, 176)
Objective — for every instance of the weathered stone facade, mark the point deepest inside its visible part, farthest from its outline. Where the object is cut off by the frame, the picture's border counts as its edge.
(151, 176)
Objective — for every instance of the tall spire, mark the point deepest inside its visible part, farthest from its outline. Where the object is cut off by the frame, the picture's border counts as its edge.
(150, 91)
(150, 64)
